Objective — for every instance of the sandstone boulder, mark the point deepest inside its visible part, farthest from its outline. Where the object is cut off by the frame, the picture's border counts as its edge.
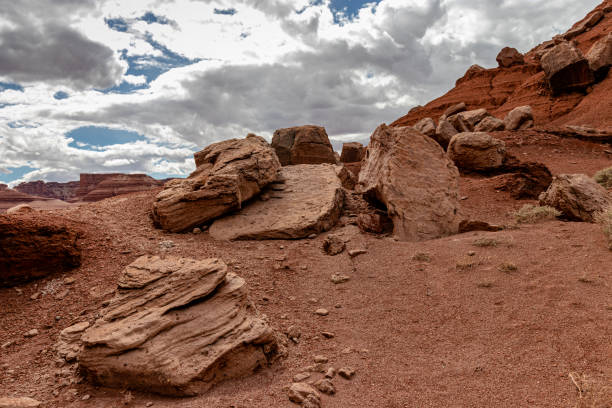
(176, 326)
(508, 57)
(307, 199)
(347, 178)
(600, 57)
(409, 174)
(303, 145)
(566, 69)
(577, 196)
(476, 151)
(490, 124)
(33, 247)
(524, 180)
(352, 152)
(19, 402)
(517, 117)
(444, 133)
(467, 121)
(20, 209)
(374, 222)
(228, 173)
(426, 126)
(454, 109)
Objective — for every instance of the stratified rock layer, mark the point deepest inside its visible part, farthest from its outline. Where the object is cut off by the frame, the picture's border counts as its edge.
(116, 184)
(228, 173)
(303, 145)
(566, 69)
(33, 247)
(176, 326)
(411, 176)
(306, 199)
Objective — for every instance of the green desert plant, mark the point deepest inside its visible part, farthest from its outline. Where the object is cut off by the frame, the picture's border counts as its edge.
(531, 214)
(604, 177)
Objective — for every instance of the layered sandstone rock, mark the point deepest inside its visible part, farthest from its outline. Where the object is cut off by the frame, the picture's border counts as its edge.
(228, 173)
(600, 56)
(566, 69)
(352, 152)
(519, 118)
(117, 184)
(444, 133)
(303, 145)
(410, 175)
(176, 326)
(508, 57)
(577, 196)
(306, 199)
(33, 247)
(476, 151)
(10, 198)
(426, 126)
(524, 180)
(490, 124)
(59, 191)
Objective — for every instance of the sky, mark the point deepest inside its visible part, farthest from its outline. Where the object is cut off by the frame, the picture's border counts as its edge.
(138, 86)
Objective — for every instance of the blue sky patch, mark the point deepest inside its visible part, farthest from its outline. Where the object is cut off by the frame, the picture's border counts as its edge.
(15, 173)
(90, 137)
(348, 8)
(151, 18)
(9, 85)
(117, 24)
(226, 12)
(61, 95)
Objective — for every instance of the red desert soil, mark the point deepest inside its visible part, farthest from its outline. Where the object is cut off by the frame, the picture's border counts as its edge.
(454, 331)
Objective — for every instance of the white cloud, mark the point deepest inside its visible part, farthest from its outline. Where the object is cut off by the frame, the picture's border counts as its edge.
(262, 68)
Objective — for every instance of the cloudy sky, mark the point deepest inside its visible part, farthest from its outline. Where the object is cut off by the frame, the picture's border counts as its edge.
(139, 85)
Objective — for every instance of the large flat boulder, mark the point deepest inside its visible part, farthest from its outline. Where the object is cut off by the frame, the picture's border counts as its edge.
(306, 199)
(409, 174)
(303, 145)
(566, 69)
(34, 246)
(352, 152)
(577, 196)
(508, 57)
(176, 326)
(227, 174)
(476, 151)
(600, 56)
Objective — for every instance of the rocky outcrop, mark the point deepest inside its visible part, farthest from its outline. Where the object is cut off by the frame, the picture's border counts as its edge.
(303, 145)
(454, 109)
(524, 180)
(508, 57)
(490, 124)
(476, 151)
(20, 209)
(577, 196)
(10, 198)
(59, 191)
(176, 326)
(227, 174)
(426, 126)
(116, 184)
(352, 152)
(409, 174)
(600, 57)
(519, 118)
(306, 199)
(33, 247)
(566, 69)
(444, 133)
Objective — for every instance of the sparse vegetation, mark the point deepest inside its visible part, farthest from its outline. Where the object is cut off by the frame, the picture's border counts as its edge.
(421, 257)
(507, 267)
(531, 214)
(604, 177)
(591, 393)
(605, 220)
(468, 262)
(486, 242)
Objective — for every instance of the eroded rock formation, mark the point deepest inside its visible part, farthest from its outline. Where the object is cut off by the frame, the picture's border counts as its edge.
(176, 326)
(476, 151)
(303, 145)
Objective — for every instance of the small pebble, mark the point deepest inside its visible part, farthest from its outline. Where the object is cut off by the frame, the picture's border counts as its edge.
(197, 231)
(346, 372)
(301, 377)
(321, 359)
(322, 312)
(31, 333)
(354, 252)
(328, 335)
(330, 373)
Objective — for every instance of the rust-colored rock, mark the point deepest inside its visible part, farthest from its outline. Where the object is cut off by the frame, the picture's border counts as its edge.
(566, 69)
(115, 184)
(518, 117)
(490, 124)
(33, 247)
(508, 57)
(10, 198)
(352, 152)
(476, 151)
(524, 180)
(426, 126)
(375, 222)
(176, 326)
(444, 133)
(307, 199)
(59, 191)
(409, 174)
(228, 173)
(303, 145)
(577, 196)
(600, 57)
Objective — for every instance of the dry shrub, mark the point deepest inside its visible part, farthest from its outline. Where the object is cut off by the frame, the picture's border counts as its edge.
(592, 393)
(604, 177)
(531, 214)
(421, 257)
(486, 242)
(605, 220)
(507, 267)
